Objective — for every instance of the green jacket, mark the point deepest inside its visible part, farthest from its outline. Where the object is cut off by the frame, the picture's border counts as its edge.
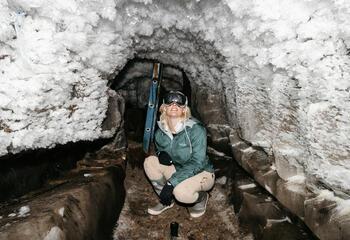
(187, 148)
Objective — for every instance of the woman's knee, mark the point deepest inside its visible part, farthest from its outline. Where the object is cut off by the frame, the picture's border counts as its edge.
(185, 194)
(150, 162)
(207, 181)
(151, 166)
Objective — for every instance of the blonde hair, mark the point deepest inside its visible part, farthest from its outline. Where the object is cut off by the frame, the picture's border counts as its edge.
(164, 119)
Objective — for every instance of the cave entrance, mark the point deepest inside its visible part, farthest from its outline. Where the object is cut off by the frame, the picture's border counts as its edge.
(133, 83)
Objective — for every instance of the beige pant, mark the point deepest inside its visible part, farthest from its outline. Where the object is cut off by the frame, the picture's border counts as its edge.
(187, 190)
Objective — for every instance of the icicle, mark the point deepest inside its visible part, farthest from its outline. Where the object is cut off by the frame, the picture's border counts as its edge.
(19, 21)
(20, 14)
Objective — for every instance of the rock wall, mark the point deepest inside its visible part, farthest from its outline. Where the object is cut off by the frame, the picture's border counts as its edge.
(324, 213)
(83, 204)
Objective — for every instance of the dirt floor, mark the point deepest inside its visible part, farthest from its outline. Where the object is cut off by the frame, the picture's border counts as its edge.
(219, 222)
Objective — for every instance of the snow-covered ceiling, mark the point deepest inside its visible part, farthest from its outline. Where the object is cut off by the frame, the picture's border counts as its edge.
(283, 67)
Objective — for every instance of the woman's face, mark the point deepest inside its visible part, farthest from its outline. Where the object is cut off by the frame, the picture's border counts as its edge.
(173, 110)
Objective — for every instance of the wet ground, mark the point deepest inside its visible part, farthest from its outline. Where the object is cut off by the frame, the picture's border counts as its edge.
(219, 221)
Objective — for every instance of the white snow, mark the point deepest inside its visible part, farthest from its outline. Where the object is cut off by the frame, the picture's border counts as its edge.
(215, 152)
(23, 211)
(249, 150)
(342, 209)
(282, 65)
(55, 233)
(268, 189)
(297, 179)
(88, 175)
(12, 215)
(247, 186)
(61, 211)
(286, 219)
(221, 180)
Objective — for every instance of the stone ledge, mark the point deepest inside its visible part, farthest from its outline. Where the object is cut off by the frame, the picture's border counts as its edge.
(321, 213)
(262, 214)
(83, 205)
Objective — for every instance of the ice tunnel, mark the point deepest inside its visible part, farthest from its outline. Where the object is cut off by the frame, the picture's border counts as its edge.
(269, 79)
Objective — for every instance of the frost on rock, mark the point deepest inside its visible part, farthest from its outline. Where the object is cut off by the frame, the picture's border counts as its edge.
(55, 233)
(12, 215)
(61, 211)
(285, 76)
(221, 180)
(23, 211)
(247, 186)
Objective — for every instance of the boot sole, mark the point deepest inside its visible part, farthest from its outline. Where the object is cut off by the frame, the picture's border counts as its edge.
(155, 213)
(197, 215)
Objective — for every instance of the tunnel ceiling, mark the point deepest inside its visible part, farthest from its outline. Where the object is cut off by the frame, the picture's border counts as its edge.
(282, 66)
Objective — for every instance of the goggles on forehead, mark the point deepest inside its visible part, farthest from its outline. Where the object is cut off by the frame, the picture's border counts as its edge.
(175, 97)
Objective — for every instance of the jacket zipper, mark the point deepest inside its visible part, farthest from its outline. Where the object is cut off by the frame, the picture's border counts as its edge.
(171, 146)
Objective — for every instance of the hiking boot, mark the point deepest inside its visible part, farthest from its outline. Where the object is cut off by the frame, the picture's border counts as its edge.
(199, 208)
(159, 208)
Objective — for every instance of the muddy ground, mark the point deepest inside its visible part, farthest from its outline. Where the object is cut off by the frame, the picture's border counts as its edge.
(219, 221)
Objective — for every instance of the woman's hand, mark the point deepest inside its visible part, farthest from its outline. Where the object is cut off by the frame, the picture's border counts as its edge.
(164, 158)
(166, 195)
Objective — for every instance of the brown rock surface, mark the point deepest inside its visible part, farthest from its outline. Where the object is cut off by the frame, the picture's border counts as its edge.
(82, 205)
(319, 212)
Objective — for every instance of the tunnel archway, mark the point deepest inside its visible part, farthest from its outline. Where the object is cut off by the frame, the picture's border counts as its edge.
(285, 87)
(133, 84)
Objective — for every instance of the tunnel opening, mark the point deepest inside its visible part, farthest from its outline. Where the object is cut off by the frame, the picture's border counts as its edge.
(133, 83)
(32, 169)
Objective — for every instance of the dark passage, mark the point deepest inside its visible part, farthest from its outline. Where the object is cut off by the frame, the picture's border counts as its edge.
(30, 170)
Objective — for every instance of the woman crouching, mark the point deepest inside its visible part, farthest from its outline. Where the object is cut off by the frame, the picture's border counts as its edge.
(181, 168)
